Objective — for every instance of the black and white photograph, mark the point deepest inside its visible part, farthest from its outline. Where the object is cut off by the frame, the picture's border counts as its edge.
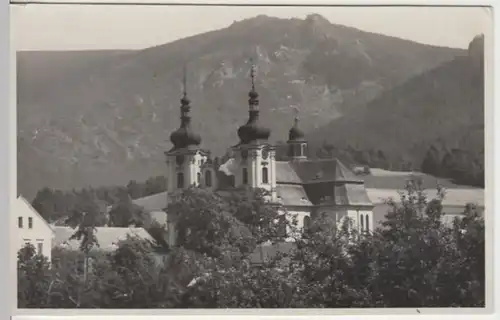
(236, 157)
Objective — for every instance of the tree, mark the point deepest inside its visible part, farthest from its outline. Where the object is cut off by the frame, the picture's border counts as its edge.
(33, 279)
(125, 214)
(205, 225)
(432, 162)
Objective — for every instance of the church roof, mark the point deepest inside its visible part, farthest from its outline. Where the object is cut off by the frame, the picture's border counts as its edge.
(314, 171)
(107, 237)
(155, 202)
(351, 195)
(292, 195)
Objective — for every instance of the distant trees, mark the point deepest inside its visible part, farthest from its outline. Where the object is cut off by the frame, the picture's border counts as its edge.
(414, 260)
(462, 166)
(64, 208)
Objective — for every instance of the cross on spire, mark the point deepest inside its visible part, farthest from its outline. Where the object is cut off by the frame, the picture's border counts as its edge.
(296, 119)
(184, 81)
(252, 74)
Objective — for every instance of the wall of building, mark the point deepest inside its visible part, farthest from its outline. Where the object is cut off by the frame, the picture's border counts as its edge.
(37, 232)
(381, 209)
(300, 213)
(190, 168)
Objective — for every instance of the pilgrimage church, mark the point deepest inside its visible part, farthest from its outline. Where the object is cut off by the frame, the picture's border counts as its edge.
(304, 187)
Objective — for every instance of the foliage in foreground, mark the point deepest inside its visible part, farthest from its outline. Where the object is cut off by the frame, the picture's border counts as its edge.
(413, 261)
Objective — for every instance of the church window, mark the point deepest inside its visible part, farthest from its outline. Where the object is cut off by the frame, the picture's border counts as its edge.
(30, 222)
(302, 149)
(208, 178)
(282, 226)
(362, 222)
(180, 180)
(297, 149)
(245, 176)
(198, 177)
(265, 177)
(367, 223)
(20, 222)
(307, 224)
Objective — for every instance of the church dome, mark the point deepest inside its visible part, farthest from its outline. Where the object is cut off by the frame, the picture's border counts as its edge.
(252, 130)
(185, 136)
(295, 133)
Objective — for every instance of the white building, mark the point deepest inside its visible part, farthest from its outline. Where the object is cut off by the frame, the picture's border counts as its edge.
(31, 228)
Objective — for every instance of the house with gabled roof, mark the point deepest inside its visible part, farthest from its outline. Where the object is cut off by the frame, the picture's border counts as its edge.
(31, 228)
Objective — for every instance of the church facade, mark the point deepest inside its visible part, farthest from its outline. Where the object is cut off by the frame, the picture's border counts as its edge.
(305, 188)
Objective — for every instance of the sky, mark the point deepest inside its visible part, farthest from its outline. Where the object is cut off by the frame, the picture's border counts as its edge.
(81, 27)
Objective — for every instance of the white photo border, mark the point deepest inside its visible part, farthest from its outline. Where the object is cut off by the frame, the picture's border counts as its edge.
(8, 176)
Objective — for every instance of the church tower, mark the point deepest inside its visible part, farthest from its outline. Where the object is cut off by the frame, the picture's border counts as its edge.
(186, 159)
(256, 158)
(297, 144)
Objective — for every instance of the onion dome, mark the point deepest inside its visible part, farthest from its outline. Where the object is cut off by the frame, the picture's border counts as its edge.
(252, 131)
(295, 133)
(185, 136)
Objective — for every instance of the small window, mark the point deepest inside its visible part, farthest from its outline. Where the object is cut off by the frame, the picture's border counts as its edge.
(180, 180)
(303, 150)
(307, 224)
(298, 149)
(265, 178)
(362, 222)
(198, 177)
(30, 222)
(282, 227)
(208, 178)
(40, 247)
(20, 222)
(245, 176)
(367, 223)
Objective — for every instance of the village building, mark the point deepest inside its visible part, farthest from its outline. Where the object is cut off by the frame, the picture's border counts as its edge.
(31, 228)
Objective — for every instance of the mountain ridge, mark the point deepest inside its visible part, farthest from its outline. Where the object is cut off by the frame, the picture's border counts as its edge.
(108, 120)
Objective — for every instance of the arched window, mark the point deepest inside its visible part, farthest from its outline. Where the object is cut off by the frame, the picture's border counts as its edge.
(208, 178)
(297, 150)
(198, 177)
(367, 223)
(361, 219)
(307, 224)
(180, 180)
(245, 176)
(265, 177)
(282, 226)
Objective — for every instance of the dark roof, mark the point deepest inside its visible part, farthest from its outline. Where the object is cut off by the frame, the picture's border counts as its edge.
(265, 252)
(292, 195)
(314, 171)
(352, 195)
(397, 180)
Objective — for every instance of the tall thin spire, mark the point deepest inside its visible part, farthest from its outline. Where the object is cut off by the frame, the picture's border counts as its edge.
(252, 74)
(184, 81)
(252, 131)
(295, 134)
(296, 119)
(184, 136)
